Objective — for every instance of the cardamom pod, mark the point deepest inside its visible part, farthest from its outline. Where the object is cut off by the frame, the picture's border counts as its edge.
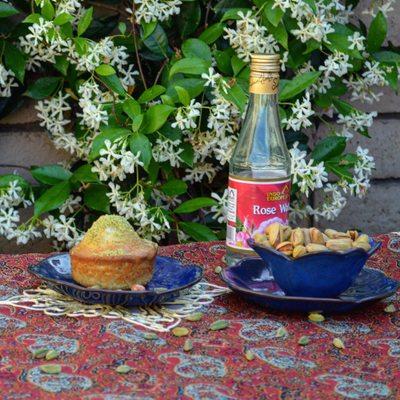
(281, 332)
(197, 316)
(123, 369)
(188, 346)
(219, 325)
(218, 269)
(150, 336)
(40, 353)
(50, 368)
(316, 317)
(303, 341)
(338, 343)
(180, 331)
(249, 355)
(390, 308)
(52, 354)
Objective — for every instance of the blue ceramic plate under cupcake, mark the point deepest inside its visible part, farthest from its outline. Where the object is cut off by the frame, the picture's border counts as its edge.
(252, 279)
(170, 278)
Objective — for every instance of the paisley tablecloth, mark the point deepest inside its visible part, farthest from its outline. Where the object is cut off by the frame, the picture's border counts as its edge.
(92, 348)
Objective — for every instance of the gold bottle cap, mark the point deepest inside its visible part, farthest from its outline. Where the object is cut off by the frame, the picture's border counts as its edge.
(264, 73)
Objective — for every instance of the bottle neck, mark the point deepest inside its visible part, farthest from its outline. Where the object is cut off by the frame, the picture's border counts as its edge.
(264, 83)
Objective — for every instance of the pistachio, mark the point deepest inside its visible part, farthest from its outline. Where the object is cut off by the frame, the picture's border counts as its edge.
(123, 369)
(306, 234)
(297, 237)
(331, 233)
(259, 237)
(249, 355)
(219, 325)
(197, 316)
(285, 248)
(363, 238)
(299, 251)
(287, 231)
(303, 341)
(51, 368)
(338, 343)
(275, 233)
(316, 236)
(40, 353)
(353, 234)
(180, 331)
(390, 308)
(52, 354)
(316, 317)
(188, 345)
(315, 248)
(339, 244)
(362, 245)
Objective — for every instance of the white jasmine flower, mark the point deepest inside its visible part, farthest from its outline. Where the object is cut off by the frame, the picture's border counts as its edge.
(185, 116)
(221, 209)
(356, 41)
(153, 10)
(200, 171)
(301, 112)
(7, 81)
(166, 150)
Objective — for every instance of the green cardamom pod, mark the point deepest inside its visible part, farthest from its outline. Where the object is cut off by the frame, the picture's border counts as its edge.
(180, 331)
(188, 345)
(51, 368)
(123, 369)
(219, 325)
(52, 354)
(197, 316)
(303, 341)
(40, 353)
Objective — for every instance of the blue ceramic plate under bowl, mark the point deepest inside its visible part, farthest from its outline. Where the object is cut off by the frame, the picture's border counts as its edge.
(322, 274)
(169, 280)
(253, 280)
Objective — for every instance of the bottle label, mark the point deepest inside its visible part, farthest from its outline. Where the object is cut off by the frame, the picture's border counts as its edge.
(252, 206)
(264, 82)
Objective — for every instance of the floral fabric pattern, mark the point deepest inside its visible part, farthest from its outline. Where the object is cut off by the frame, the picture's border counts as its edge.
(216, 368)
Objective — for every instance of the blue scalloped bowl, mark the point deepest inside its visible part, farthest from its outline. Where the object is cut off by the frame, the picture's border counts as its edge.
(169, 280)
(322, 274)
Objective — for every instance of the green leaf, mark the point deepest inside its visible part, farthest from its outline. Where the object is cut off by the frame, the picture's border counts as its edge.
(147, 28)
(157, 42)
(194, 204)
(339, 40)
(189, 18)
(111, 134)
(113, 83)
(50, 174)
(188, 154)
(132, 108)
(43, 87)
(196, 48)
(274, 15)
(174, 187)
(191, 66)
(377, 32)
(237, 96)
(48, 10)
(105, 70)
(95, 197)
(62, 19)
(281, 35)
(156, 116)
(329, 147)
(84, 174)
(85, 21)
(298, 84)
(237, 65)
(212, 33)
(344, 108)
(194, 87)
(137, 121)
(61, 64)
(387, 57)
(81, 45)
(6, 10)
(31, 18)
(341, 172)
(122, 27)
(15, 60)
(223, 59)
(198, 231)
(52, 198)
(233, 13)
(183, 95)
(151, 93)
(139, 142)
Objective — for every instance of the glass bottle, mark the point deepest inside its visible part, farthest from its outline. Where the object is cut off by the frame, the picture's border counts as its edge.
(259, 170)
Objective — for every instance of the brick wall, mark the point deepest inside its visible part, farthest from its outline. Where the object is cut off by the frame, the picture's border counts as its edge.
(24, 143)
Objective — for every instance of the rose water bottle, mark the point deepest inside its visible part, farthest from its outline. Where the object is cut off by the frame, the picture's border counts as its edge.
(259, 170)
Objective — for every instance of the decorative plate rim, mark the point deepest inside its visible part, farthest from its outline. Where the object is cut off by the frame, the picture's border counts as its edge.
(300, 298)
(122, 292)
(376, 245)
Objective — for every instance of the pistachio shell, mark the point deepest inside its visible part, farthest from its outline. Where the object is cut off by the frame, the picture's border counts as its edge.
(316, 317)
(362, 245)
(219, 325)
(275, 234)
(315, 248)
(353, 234)
(306, 234)
(180, 331)
(249, 355)
(259, 237)
(52, 354)
(40, 353)
(123, 369)
(285, 248)
(331, 233)
(51, 368)
(363, 238)
(299, 251)
(339, 244)
(304, 340)
(338, 343)
(197, 316)
(316, 236)
(390, 308)
(188, 345)
(287, 230)
(297, 237)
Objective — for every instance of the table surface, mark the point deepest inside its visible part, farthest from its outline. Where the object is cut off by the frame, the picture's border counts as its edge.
(368, 368)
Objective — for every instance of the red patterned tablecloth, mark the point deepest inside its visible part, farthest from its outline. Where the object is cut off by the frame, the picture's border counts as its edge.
(91, 348)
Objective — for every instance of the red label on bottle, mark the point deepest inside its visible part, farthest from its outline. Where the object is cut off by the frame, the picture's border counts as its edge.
(252, 206)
